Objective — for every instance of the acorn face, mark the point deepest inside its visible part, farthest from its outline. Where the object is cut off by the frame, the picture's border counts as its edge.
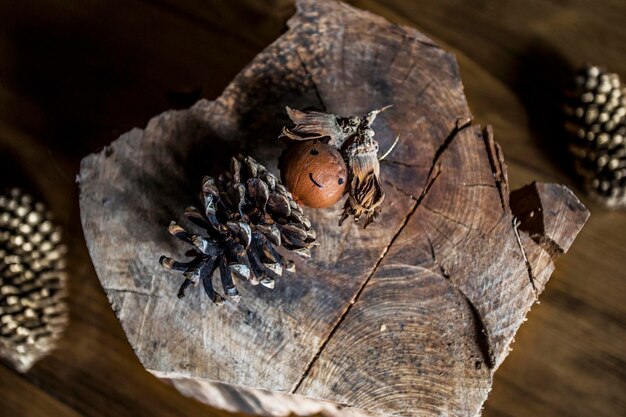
(314, 173)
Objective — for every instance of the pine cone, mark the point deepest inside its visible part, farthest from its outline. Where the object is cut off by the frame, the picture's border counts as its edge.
(33, 313)
(246, 214)
(595, 113)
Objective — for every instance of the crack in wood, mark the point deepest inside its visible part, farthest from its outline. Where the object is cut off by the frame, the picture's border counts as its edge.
(496, 161)
(479, 185)
(310, 77)
(400, 190)
(397, 51)
(529, 268)
(445, 216)
(400, 163)
(432, 253)
(145, 311)
(435, 171)
(409, 72)
(343, 48)
(482, 335)
(421, 93)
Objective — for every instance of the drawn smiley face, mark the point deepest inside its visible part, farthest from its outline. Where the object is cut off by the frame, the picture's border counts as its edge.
(314, 173)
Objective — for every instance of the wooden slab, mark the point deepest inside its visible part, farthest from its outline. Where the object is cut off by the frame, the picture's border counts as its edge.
(411, 316)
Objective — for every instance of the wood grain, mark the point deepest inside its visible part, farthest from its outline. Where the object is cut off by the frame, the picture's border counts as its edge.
(274, 330)
(566, 359)
(306, 337)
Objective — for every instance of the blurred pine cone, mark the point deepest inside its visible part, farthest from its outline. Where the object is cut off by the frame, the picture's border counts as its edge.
(595, 111)
(33, 313)
(246, 214)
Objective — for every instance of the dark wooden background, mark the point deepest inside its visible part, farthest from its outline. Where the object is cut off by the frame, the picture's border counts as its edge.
(74, 75)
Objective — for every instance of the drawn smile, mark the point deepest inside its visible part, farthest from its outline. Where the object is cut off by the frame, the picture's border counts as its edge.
(315, 182)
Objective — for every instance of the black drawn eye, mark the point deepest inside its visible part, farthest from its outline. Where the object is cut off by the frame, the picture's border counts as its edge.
(340, 181)
(314, 151)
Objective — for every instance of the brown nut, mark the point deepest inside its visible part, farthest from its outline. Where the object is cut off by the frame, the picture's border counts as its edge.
(315, 173)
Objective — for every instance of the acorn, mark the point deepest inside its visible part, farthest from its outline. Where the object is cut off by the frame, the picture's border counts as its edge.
(315, 173)
(353, 138)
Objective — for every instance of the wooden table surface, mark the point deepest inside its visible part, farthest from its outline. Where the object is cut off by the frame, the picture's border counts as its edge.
(74, 75)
